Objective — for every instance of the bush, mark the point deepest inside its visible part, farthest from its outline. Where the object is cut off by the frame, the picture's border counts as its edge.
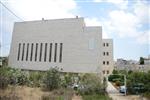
(90, 84)
(52, 79)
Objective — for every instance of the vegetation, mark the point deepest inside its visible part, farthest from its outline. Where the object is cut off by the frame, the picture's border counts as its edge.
(58, 85)
(96, 97)
(137, 82)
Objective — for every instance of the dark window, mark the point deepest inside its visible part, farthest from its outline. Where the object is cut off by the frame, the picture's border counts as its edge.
(36, 50)
(27, 52)
(23, 51)
(107, 44)
(45, 52)
(107, 53)
(104, 44)
(50, 52)
(107, 71)
(19, 51)
(60, 56)
(107, 62)
(55, 54)
(104, 53)
(40, 51)
(31, 52)
(103, 62)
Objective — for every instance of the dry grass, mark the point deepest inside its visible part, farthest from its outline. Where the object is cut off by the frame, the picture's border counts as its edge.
(28, 93)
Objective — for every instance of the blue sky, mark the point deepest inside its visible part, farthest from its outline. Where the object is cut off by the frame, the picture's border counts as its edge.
(125, 21)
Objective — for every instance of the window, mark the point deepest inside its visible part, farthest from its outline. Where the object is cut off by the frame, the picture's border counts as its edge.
(107, 44)
(107, 53)
(107, 62)
(45, 52)
(103, 72)
(31, 52)
(104, 44)
(60, 56)
(23, 51)
(40, 51)
(103, 62)
(55, 53)
(27, 52)
(19, 51)
(36, 50)
(107, 71)
(50, 52)
(104, 53)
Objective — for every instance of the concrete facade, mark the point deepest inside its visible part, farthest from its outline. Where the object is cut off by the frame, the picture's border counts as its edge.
(64, 43)
(107, 56)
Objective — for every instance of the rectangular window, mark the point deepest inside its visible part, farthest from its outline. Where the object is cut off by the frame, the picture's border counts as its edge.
(40, 51)
(103, 53)
(107, 62)
(104, 44)
(60, 56)
(27, 52)
(107, 44)
(23, 51)
(103, 62)
(31, 52)
(107, 53)
(36, 50)
(55, 53)
(50, 52)
(107, 71)
(19, 51)
(45, 52)
(103, 71)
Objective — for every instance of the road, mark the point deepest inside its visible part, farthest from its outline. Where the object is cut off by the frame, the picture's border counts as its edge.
(115, 95)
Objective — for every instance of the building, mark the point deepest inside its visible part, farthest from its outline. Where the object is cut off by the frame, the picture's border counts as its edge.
(131, 65)
(147, 61)
(107, 56)
(64, 43)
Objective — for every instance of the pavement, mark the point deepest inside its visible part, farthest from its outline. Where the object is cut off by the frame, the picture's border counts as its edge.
(115, 95)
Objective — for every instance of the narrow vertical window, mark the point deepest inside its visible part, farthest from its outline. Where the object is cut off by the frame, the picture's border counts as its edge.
(23, 51)
(107, 62)
(107, 44)
(31, 52)
(107, 53)
(19, 51)
(103, 53)
(45, 52)
(40, 52)
(104, 44)
(50, 52)
(36, 50)
(55, 53)
(60, 56)
(27, 52)
(103, 62)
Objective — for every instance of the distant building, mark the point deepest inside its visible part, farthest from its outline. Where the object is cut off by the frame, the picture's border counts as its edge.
(147, 61)
(64, 43)
(132, 65)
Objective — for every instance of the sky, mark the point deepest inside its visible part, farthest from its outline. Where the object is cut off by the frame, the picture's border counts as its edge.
(127, 22)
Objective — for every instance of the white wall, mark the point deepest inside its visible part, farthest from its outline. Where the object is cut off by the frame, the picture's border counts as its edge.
(78, 53)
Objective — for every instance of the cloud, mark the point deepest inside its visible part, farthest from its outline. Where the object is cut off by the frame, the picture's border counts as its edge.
(144, 38)
(38, 9)
(95, 22)
(121, 4)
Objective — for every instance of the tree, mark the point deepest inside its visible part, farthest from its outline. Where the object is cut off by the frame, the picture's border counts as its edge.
(141, 61)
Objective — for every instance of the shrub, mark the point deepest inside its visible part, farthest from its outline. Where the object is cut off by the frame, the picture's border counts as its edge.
(52, 79)
(90, 84)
